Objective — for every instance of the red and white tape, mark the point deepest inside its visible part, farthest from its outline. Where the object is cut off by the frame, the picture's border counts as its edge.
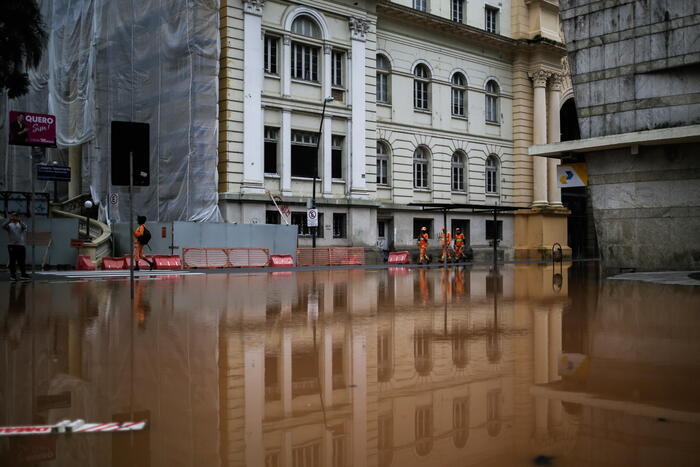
(71, 426)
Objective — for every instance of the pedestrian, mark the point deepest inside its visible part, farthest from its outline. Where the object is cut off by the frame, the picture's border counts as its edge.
(423, 238)
(459, 245)
(445, 243)
(141, 238)
(16, 231)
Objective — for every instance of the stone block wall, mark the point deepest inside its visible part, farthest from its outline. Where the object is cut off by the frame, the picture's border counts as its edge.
(647, 207)
(635, 64)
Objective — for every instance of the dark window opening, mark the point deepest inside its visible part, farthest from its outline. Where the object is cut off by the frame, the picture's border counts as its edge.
(271, 139)
(272, 217)
(299, 219)
(304, 154)
(337, 156)
(340, 221)
(419, 223)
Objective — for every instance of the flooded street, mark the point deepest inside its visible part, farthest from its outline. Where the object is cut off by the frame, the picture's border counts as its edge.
(388, 367)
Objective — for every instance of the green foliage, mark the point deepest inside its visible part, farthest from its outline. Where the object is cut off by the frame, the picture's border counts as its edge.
(22, 40)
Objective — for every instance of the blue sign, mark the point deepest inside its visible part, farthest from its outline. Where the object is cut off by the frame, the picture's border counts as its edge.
(54, 173)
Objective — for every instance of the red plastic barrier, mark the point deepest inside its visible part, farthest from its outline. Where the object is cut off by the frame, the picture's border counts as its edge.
(142, 263)
(399, 257)
(110, 264)
(167, 262)
(330, 256)
(281, 261)
(84, 263)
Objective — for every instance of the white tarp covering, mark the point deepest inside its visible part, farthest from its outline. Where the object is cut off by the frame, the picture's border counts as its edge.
(154, 61)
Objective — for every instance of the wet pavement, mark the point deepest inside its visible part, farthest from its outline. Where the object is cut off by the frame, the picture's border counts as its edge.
(529, 365)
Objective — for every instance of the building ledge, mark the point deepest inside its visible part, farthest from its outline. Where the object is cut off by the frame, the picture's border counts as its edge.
(676, 135)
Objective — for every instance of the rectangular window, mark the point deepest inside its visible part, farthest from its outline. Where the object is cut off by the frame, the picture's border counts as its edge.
(340, 221)
(494, 230)
(272, 217)
(458, 10)
(491, 108)
(304, 154)
(271, 140)
(271, 54)
(420, 174)
(421, 5)
(382, 171)
(307, 456)
(420, 94)
(337, 69)
(304, 62)
(492, 19)
(491, 180)
(457, 178)
(299, 219)
(463, 225)
(419, 223)
(337, 156)
(458, 102)
(382, 88)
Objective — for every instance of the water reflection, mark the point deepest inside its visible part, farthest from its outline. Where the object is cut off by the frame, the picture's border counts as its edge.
(395, 367)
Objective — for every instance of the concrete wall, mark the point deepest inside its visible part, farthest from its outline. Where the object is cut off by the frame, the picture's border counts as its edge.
(279, 239)
(647, 207)
(62, 230)
(635, 65)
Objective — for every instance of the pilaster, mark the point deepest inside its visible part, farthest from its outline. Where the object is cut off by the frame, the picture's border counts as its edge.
(286, 141)
(554, 136)
(358, 32)
(539, 136)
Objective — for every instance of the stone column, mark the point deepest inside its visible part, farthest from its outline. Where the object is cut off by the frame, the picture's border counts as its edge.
(252, 97)
(358, 29)
(555, 348)
(286, 71)
(286, 142)
(541, 373)
(358, 386)
(254, 381)
(539, 136)
(285, 372)
(554, 136)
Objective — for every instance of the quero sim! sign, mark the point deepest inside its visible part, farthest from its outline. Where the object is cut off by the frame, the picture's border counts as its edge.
(31, 129)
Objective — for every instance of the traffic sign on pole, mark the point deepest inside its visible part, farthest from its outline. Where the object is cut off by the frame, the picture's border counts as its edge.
(312, 218)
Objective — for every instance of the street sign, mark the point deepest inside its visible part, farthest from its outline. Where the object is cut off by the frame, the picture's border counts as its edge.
(312, 218)
(53, 173)
(114, 199)
(572, 175)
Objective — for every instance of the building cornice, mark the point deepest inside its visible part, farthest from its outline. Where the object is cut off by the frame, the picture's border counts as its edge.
(389, 9)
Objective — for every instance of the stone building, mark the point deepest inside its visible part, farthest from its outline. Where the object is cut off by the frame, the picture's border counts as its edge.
(635, 67)
(433, 102)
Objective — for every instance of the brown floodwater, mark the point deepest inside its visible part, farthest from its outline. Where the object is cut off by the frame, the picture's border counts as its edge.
(400, 367)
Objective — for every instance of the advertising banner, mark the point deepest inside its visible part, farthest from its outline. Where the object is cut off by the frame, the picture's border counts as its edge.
(30, 129)
(572, 175)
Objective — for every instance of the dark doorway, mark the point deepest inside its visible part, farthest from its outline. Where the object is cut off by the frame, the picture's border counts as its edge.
(569, 121)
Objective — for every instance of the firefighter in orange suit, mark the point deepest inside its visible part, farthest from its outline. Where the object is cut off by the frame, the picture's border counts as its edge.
(423, 238)
(445, 243)
(459, 245)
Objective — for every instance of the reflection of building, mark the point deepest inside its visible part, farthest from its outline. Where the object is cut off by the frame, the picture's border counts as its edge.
(447, 379)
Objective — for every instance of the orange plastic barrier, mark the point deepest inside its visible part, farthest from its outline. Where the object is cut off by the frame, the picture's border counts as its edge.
(167, 262)
(110, 264)
(330, 256)
(399, 257)
(84, 263)
(280, 261)
(212, 258)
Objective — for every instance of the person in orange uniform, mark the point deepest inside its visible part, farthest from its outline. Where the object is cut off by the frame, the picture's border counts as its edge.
(459, 245)
(141, 239)
(445, 242)
(423, 238)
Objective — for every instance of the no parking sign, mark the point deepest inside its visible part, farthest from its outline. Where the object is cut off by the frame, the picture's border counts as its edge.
(312, 218)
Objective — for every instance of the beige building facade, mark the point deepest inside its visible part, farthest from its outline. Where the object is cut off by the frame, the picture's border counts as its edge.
(433, 102)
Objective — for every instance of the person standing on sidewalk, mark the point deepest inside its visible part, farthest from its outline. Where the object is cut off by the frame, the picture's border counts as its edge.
(16, 231)
(141, 238)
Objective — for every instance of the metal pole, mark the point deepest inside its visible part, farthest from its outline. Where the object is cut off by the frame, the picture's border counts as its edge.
(313, 196)
(131, 223)
(31, 206)
(495, 240)
(446, 247)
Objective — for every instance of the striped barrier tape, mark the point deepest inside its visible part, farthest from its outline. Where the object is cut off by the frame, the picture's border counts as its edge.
(71, 426)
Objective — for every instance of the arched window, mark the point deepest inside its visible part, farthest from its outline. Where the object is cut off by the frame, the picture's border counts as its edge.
(424, 430)
(306, 26)
(423, 351)
(383, 79)
(458, 171)
(421, 87)
(382, 163)
(420, 167)
(491, 175)
(492, 101)
(460, 346)
(459, 92)
(460, 422)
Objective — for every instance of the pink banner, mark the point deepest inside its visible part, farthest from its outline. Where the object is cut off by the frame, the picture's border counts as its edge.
(30, 129)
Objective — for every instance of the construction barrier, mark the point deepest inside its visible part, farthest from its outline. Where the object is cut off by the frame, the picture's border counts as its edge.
(399, 257)
(330, 256)
(142, 264)
(281, 261)
(111, 264)
(84, 263)
(211, 258)
(167, 262)
(71, 426)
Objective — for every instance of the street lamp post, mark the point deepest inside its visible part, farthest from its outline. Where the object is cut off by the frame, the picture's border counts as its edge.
(318, 144)
(88, 205)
